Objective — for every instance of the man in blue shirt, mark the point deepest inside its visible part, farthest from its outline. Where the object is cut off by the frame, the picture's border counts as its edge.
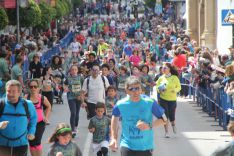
(136, 112)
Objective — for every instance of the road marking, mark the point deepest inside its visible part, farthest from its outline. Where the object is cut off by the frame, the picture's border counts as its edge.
(87, 144)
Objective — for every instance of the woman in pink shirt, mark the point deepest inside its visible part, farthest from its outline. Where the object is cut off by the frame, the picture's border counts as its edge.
(39, 102)
(135, 58)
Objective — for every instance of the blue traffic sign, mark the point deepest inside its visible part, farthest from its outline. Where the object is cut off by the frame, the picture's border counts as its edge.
(225, 13)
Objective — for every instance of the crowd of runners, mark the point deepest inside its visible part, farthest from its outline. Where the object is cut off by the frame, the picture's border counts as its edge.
(110, 69)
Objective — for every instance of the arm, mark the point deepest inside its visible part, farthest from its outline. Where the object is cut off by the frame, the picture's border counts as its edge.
(91, 126)
(48, 109)
(178, 86)
(114, 132)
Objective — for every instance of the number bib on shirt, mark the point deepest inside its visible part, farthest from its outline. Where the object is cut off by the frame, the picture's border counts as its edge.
(121, 86)
(76, 88)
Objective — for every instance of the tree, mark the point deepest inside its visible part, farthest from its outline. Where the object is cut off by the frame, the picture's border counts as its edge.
(60, 9)
(31, 15)
(3, 18)
(48, 13)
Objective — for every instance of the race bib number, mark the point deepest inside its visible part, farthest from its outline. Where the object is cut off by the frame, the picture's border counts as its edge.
(121, 86)
(76, 88)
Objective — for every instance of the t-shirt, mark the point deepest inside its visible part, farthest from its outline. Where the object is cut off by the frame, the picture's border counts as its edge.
(75, 46)
(71, 149)
(96, 89)
(226, 150)
(109, 105)
(74, 86)
(135, 60)
(16, 72)
(131, 112)
(37, 67)
(101, 126)
(121, 81)
(128, 50)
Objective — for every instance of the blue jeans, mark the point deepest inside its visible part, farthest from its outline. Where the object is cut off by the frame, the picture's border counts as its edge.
(74, 106)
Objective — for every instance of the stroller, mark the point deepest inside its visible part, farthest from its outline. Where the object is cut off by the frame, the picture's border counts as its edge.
(58, 77)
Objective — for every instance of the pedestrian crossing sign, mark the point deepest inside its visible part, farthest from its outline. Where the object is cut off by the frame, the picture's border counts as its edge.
(224, 15)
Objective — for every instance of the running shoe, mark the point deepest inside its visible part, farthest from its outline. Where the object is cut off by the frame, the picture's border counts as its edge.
(73, 134)
(167, 135)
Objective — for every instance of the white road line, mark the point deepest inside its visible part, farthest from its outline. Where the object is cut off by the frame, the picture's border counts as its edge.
(87, 144)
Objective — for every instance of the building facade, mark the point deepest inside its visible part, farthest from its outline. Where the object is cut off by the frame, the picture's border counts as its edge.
(206, 25)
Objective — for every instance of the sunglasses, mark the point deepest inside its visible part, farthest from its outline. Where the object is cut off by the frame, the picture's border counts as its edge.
(33, 87)
(134, 89)
(164, 67)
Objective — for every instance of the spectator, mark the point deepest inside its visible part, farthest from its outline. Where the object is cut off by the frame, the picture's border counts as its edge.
(35, 67)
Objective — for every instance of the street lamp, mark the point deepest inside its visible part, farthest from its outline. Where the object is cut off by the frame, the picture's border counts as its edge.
(22, 4)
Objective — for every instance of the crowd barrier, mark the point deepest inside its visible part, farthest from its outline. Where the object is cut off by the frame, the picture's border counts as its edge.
(47, 56)
(215, 102)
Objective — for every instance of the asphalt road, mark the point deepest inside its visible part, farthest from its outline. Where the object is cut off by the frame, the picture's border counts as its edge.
(197, 133)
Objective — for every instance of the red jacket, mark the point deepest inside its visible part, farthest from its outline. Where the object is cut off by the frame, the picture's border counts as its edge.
(180, 61)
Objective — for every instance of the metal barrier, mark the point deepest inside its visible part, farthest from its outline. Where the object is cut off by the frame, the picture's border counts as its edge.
(213, 101)
(47, 56)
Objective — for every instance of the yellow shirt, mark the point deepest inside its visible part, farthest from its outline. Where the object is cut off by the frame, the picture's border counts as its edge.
(101, 48)
(172, 87)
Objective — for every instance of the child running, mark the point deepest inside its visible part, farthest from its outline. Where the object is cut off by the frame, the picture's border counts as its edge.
(62, 142)
(99, 125)
(111, 100)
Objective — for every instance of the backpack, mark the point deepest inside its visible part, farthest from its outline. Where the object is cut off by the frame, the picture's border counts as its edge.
(2, 106)
(103, 80)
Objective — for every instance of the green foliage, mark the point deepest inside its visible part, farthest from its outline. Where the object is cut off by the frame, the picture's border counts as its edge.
(48, 13)
(150, 3)
(30, 16)
(3, 19)
(60, 9)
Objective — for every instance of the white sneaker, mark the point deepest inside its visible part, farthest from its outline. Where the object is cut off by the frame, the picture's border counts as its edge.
(174, 129)
(167, 135)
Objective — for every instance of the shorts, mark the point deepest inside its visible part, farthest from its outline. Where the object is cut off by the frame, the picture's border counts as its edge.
(170, 108)
(97, 147)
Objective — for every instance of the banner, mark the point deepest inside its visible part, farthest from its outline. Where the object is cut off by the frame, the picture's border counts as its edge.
(158, 7)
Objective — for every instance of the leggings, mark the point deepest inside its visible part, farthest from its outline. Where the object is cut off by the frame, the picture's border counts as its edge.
(128, 152)
(74, 106)
(169, 107)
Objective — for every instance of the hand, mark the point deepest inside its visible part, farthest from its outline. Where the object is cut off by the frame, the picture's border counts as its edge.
(59, 154)
(30, 137)
(142, 125)
(46, 120)
(113, 145)
(83, 105)
(3, 124)
(91, 130)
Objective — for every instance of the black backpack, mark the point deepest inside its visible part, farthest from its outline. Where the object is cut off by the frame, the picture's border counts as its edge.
(2, 106)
